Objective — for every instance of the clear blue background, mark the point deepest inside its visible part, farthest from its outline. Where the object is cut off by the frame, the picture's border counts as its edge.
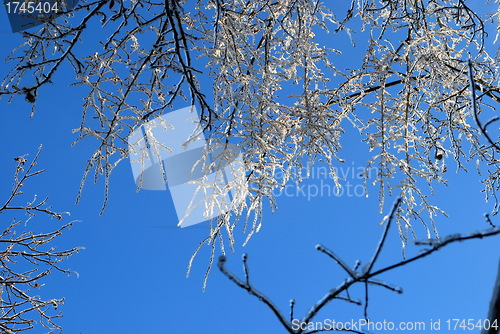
(132, 273)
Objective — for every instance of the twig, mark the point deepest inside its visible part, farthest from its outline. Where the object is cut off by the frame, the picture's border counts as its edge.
(251, 290)
(494, 310)
(488, 220)
(476, 113)
(32, 251)
(366, 276)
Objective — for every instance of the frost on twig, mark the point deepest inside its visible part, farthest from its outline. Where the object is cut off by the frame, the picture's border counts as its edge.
(366, 276)
(21, 308)
(278, 91)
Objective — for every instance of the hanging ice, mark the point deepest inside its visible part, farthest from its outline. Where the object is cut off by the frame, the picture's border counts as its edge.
(205, 181)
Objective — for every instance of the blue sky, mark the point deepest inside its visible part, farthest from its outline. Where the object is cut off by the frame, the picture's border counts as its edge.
(132, 273)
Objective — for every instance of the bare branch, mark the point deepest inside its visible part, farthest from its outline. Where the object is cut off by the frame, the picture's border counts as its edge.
(251, 290)
(476, 113)
(337, 259)
(494, 309)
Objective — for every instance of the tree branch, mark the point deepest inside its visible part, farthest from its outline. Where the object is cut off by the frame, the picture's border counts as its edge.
(366, 276)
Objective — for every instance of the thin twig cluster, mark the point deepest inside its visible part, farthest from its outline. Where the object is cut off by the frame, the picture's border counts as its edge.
(28, 257)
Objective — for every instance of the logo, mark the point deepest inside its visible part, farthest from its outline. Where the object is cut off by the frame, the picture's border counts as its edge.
(205, 180)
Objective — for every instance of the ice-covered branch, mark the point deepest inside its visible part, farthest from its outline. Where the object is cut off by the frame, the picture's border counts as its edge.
(20, 245)
(481, 127)
(494, 309)
(365, 276)
(337, 259)
(251, 290)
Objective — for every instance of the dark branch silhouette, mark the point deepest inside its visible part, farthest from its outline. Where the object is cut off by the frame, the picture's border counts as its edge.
(366, 276)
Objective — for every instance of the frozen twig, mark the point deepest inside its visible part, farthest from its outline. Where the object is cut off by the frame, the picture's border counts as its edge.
(369, 266)
(251, 290)
(488, 220)
(337, 259)
(494, 309)
(366, 276)
(34, 251)
(245, 269)
(438, 244)
(481, 127)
